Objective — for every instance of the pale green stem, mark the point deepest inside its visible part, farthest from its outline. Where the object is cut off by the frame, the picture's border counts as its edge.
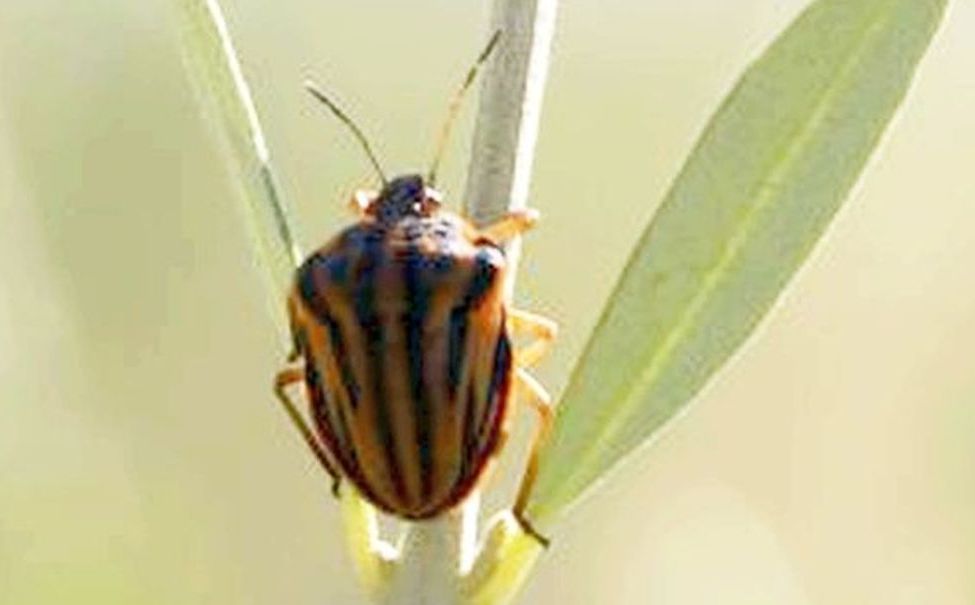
(498, 180)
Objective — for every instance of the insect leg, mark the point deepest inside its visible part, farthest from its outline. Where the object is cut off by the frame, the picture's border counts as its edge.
(542, 330)
(535, 394)
(282, 381)
(514, 223)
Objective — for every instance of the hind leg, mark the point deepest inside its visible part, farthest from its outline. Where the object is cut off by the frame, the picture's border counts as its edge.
(534, 394)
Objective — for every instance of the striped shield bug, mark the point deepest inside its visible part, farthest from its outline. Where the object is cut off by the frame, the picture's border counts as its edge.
(405, 344)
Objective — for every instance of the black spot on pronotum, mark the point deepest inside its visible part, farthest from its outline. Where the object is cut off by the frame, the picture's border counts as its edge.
(308, 284)
(485, 271)
(337, 268)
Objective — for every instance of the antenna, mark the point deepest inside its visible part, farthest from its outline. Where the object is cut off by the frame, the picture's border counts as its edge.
(454, 106)
(341, 115)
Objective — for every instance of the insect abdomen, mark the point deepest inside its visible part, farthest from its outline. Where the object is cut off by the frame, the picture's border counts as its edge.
(410, 361)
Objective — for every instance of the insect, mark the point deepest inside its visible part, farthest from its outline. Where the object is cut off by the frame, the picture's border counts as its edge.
(405, 345)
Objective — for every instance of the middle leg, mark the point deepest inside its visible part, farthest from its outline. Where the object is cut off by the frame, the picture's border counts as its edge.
(541, 329)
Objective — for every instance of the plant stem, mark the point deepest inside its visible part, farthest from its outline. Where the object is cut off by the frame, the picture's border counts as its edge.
(437, 552)
(428, 570)
(503, 152)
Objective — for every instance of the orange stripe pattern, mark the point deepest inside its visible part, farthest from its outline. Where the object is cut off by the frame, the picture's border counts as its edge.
(401, 323)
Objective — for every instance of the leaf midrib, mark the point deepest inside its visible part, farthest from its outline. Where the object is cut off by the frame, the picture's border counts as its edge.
(629, 397)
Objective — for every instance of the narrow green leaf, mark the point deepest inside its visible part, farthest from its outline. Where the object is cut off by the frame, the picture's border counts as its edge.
(219, 81)
(764, 180)
(213, 65)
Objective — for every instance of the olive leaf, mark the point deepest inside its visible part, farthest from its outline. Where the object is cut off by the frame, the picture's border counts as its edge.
(761, 185)
(223, 92)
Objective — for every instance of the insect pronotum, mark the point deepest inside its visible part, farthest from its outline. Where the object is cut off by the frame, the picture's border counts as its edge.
(403, 340)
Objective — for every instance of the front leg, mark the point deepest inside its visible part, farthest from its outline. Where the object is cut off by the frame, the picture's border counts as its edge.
(511, 225)
(361, 201)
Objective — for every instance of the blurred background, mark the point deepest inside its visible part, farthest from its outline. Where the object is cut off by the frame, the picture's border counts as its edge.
(143, 460)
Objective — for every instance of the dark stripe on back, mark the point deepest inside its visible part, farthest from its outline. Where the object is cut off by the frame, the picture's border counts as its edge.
(330, 422)
(328, 414)
(308, 284)
(372, 256)
(484, 272)
(498, 387)
(417, 307)
(469, 445)
(483, 275)
(319, 271)
(457, 345)
(345, 367)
